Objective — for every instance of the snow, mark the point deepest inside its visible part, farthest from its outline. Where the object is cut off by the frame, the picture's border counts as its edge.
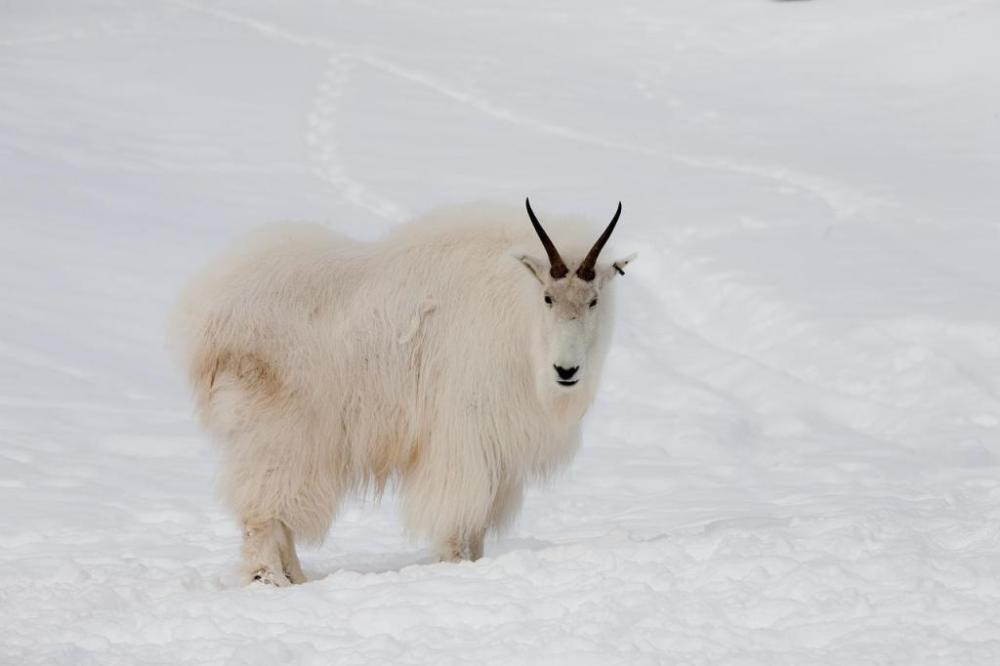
(794, 457)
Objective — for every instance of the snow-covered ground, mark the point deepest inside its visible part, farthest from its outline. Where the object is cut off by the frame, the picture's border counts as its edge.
(795, 458)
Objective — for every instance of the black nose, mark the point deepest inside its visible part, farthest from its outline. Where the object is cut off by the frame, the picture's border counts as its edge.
(566, 373)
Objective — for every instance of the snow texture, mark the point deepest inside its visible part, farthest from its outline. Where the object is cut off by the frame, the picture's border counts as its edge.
(794, 457)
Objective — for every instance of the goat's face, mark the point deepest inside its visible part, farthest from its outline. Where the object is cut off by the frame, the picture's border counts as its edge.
(570, 313)
(571, 309)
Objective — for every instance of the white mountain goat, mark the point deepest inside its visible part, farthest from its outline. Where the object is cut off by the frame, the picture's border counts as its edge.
(431, 358)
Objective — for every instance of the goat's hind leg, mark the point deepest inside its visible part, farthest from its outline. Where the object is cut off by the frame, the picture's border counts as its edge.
(261, 553)
(289, 559)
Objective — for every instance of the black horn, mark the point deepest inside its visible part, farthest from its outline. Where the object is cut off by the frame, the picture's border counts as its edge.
(558, 266)
(586, 269)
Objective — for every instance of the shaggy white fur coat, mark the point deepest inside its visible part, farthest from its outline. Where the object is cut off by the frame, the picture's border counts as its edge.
(323, 366)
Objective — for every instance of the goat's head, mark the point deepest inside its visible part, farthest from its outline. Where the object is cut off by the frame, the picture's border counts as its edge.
(570, 305)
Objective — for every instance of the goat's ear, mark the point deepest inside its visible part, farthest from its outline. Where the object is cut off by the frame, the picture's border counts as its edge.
(537, 267)
(616, 267)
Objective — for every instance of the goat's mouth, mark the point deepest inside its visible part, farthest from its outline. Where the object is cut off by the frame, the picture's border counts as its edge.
(565, 382)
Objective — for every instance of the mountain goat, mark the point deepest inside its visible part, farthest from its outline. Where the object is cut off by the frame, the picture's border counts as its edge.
(430, 359)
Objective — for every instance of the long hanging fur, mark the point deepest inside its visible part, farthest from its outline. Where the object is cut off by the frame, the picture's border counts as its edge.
(324, 366)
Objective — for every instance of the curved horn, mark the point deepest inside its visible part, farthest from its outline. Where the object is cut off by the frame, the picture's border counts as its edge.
(558, 266)
(586, 269)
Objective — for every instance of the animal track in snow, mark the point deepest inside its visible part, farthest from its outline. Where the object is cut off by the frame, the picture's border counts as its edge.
(323, 141)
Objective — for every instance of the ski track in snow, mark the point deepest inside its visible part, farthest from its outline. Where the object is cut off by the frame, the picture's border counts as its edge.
(795, 454)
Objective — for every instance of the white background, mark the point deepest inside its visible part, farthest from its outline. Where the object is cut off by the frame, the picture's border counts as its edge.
(794, 457)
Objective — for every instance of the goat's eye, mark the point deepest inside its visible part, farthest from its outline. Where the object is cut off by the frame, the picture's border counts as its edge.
(548, 299)
(593, 303)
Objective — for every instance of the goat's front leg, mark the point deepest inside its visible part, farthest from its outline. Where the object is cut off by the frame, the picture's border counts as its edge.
(463, 545)
(468, 544)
